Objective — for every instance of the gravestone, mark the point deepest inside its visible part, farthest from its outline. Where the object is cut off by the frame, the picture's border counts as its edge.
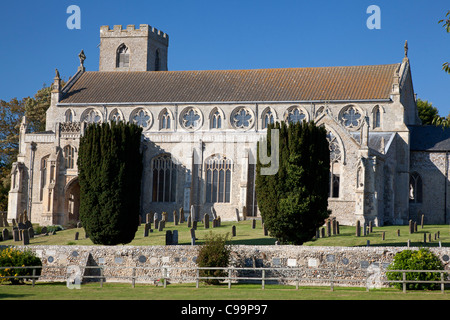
(206, 221)
(265, 230)
(175, 237)
(421, 221)
(146, 228)
(76, 235)
(358, 228)
(16, 236)
(5, 234)
(398, 232)
(411, 230)
(237, 214)
(253, 223)
(31, 233)
(233, 231)
(175, 217)
(213, 213)
(25, 238)
(181, 215)
(149, 217)
(192, 236)
(165, 216)
(322, 232)
(44, 230)
(156, 222)
(383, 235)
(169, 238)
(370, 226)
(162, 225)
(189, 222)
(194, 224)
(192, 213)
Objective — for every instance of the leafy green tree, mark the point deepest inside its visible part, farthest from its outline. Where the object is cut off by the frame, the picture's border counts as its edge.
(426, 111)
(446, 24)
(293, 202)
(109, 172)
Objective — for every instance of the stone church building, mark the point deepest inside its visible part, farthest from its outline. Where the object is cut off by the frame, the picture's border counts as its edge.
(200, 130)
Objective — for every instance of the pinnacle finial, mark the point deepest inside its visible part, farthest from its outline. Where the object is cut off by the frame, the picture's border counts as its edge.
(82, 57)
(57, 74)
(406, 48)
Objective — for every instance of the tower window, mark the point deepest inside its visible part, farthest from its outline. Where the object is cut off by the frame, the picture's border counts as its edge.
(123, 57)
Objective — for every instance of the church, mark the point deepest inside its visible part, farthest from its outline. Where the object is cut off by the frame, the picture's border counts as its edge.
(200, 130)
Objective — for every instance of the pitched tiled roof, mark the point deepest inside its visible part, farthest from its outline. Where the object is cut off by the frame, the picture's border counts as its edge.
(290, 84)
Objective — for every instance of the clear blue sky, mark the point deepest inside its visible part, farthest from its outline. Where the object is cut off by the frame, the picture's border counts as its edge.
(230, 34)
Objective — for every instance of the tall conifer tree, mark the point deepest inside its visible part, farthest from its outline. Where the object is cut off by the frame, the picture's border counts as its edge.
(110, 170)
(294, 201)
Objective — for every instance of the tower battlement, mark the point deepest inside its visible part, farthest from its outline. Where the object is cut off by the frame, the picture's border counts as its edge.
(133, 49)
(144, 30)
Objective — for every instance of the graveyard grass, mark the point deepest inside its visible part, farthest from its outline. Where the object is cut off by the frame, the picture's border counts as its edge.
(246, 235)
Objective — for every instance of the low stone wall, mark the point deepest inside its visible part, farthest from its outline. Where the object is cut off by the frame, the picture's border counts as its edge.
(351, 263)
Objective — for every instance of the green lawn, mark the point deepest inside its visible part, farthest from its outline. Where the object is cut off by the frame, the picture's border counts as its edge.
(116, 291)
(247, 235)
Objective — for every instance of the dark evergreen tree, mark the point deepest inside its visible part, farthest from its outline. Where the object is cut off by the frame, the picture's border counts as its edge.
(109, 172)
(294, 201)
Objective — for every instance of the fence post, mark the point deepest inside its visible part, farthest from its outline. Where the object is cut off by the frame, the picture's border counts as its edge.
(198, 275)
(101, 277)
(263, 282)
(34, 277)
(229, 278)
(133, 273)
(442, 282)
(165, 277)
(404, 282)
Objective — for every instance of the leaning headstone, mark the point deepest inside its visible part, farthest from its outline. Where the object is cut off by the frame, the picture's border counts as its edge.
(237, 214)
(233, 231)
(25, 237)
(169, 238)
(383, 235)
(213, 212)
(175, 237)
(206, 221)
(162, 225)
(146, 228)
(5, 234)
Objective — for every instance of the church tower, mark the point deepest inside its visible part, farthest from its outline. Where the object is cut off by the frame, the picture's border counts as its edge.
(131, 49)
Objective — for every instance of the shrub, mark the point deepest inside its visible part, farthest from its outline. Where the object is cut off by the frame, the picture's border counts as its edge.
(214, 253)
(16, 258)
(421, 259)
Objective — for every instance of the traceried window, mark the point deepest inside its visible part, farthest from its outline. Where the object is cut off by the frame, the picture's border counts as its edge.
(142, 118)
(69, 157)
(69, 116)
(295, 115)
(165, 120)
(123, 57)
(216, 120)
(242, 118)
(190, 118)
(415, 188)
(218, 179)
(115, 116)
(376, 117)
(267, 118)
(335, 165)
(164, 178)
(351, 117)
(91, 116)
(44, 167)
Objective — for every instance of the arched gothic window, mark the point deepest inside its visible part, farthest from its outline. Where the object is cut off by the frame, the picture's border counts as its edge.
(44, 167)
(191, 118)
(242, 118)
(142, 118)
(351, 117)
(123, 57)
(415, 188)
(115, 116)
(216, 119)
(376, 117)
(69, 156)
(165, 120)
(335, 165)
(218, 179)
(69, 115)
(164, 178)
(268, 117)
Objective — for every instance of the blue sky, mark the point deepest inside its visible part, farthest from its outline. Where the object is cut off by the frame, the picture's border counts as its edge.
(231, 34)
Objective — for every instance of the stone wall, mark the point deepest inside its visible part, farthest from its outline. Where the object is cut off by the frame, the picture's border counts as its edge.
(360, 263)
